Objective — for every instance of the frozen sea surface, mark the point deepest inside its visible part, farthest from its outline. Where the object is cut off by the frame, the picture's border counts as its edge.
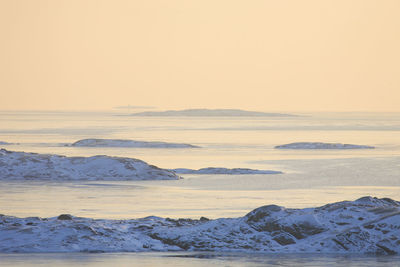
(310, 177)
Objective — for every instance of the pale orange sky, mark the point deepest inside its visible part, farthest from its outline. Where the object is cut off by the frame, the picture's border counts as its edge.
(339, 55)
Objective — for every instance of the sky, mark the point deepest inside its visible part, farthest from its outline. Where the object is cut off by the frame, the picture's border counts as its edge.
(309, 55)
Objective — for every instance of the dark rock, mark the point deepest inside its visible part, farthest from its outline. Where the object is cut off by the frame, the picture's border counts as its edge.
(262, 212)
(170, 241)
(302, 230)
(284, 239)
(369, 226)
(204, 219)
(387, 251)
(64, 217)
(391, 201)
(340, 244)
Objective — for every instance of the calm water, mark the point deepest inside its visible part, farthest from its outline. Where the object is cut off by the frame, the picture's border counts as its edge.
(195, 259)
(310, 178)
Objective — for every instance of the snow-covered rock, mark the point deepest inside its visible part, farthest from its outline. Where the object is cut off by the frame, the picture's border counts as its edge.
(22, 165)
(367, 225)
(319, 145)
(5, 143)
(213, 170)
(93, 142)
(209, 113)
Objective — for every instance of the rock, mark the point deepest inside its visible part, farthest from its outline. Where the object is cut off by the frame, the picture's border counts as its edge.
(284, 239)
(262, 212)
(64, 217)
(333, 228)
(204, 219)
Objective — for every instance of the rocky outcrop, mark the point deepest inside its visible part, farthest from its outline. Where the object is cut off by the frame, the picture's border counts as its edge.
(367, 225)
(22, 165)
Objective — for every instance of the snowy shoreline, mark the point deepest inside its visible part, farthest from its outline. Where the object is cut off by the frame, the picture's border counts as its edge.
(367, 226)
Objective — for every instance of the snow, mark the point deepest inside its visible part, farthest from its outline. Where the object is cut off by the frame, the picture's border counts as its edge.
(127, 143)
(367, 225)
(22, 165)
(210, 113)
(214, 170)
(319, 145)
(5, 143)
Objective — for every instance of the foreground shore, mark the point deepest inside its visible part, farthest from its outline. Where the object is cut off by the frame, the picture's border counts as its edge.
(367, 225)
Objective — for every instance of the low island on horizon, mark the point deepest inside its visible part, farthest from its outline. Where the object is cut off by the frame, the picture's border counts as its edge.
(203, 112)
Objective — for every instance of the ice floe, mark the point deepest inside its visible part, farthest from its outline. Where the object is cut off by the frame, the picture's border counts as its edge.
(93, 142)
(367, 225)
(210, 113)
(319, 145)
(23, 165)
(214, 170)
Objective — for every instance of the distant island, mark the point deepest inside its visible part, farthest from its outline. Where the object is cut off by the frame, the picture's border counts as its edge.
(319, 145)
(7, 143)
(209, 113)
(34, 166)
(94, 142)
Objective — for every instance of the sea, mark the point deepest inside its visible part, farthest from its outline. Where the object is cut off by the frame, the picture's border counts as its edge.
(310, 178)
